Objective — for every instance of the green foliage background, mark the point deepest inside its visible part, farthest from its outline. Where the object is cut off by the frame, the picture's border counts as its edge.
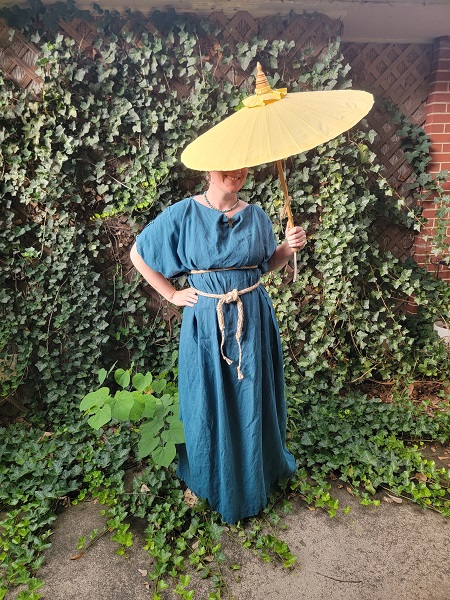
(101, 142)
(103, 138)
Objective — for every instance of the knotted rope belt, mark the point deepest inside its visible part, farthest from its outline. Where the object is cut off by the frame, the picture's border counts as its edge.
(233, 296)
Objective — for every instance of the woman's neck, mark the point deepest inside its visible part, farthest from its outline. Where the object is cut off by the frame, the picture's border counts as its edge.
(220, 200)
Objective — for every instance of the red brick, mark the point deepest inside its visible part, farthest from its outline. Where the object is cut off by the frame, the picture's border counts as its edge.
(428, 213)
(443, 160)
(438, 97)
(438, 117)
(439, 86)
(420, 255)
(438, 107)
(420, 244)
(443, 64)
(436, 149)
(439, 138)
(434, 127)
(412, 309)
(441, 76)
(444, 52)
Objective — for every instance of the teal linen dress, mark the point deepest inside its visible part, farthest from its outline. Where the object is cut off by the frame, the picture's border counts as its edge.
(235, 429)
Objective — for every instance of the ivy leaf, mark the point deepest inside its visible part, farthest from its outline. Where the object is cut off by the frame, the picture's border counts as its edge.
(79, 75)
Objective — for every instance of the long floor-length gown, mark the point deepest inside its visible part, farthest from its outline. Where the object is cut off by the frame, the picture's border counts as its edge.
(235, 446)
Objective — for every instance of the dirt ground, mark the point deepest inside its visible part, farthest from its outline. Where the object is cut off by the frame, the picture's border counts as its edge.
(391, 552)
(396, 551)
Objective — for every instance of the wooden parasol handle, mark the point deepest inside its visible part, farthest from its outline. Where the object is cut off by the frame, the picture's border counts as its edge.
(287, 208)
(287, 200)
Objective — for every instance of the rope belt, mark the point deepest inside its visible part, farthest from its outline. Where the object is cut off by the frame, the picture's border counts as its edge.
(232, 296)
(200, 271)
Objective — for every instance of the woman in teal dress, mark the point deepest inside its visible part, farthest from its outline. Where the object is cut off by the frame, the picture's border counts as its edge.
(231, 382)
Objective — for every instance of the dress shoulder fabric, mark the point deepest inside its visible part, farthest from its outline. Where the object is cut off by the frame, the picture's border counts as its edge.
(235, 446)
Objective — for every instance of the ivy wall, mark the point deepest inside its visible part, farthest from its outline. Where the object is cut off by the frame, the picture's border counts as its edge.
(92, 153)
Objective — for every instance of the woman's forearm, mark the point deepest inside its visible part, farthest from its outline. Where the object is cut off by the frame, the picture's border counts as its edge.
(280, 257)
(185, 297)
(295, 240)
(155, 279)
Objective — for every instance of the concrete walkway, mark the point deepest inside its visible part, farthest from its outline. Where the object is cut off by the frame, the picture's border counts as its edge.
(390, 552)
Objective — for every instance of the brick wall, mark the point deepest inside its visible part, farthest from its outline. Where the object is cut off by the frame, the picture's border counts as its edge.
(437, 125)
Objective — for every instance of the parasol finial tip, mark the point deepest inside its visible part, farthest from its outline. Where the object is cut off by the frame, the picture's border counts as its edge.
(261, 79)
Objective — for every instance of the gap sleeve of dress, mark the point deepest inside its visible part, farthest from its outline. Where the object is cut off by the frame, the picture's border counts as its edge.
(157, 244)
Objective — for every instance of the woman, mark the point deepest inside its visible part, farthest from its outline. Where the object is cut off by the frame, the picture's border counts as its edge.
(231, 382)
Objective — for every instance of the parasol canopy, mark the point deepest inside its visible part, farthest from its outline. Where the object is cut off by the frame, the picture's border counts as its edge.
(273, 125)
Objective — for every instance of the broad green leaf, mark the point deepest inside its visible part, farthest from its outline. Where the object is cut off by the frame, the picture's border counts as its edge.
(167, 400)
(164, 455)
(121, 405)
(141, 382)
(102, 374)
(150, 428)
(150, 404)
(146, 446)
(97, 398)
(158, 385)
(122, 377)
(101, 417)
(161, 412)
(137, 409)
(175, 433)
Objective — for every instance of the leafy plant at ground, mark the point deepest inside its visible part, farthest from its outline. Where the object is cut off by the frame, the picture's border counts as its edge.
(369, 445)
(41, 471)
(159, 426)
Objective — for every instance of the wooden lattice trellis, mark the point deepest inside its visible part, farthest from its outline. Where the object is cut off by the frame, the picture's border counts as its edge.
(18, 58)
(398, 73)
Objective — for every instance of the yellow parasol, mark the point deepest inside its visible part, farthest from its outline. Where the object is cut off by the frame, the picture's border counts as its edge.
(273, 125)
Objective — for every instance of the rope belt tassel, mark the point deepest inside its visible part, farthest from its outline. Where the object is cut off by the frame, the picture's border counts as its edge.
(228, 298)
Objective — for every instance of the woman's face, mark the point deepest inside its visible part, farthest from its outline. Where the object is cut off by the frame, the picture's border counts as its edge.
(229, 182)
